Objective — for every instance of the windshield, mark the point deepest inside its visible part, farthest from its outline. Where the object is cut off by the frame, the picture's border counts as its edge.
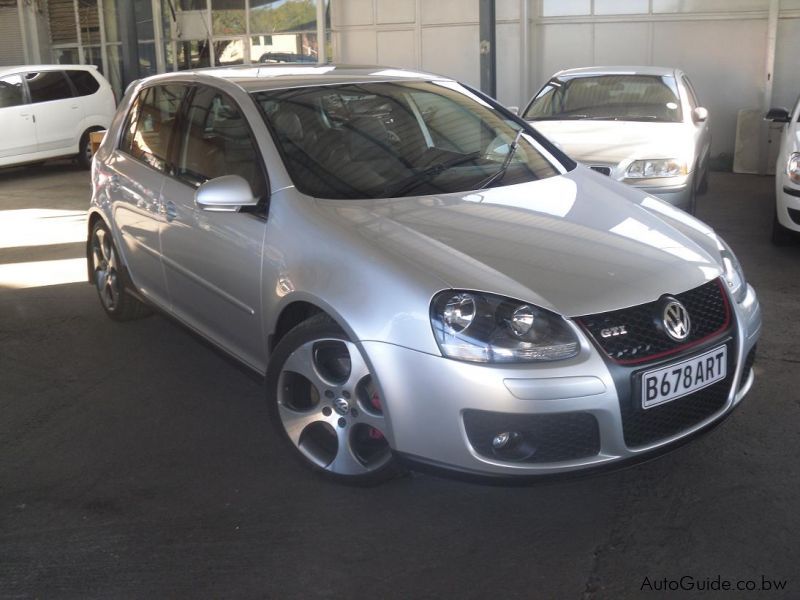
(608, 97)
(392, 139)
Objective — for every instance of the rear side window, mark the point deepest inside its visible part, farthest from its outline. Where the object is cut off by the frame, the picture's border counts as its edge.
(11, 91)
(46, 86)
(150, 123)
(84, 82)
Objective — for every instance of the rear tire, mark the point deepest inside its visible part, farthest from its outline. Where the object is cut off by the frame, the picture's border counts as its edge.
(323, 401)
(781, 236)
(703, 187)
(108, 278)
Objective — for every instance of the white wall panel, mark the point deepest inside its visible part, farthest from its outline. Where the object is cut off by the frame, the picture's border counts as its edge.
(397, 49)
(508, 54)
(436, 12)
(396, 11)
(507, 10)
(452, 51)
(622, 44)
(358, 47)
(563, 46)
(725, 61)
(351, 12)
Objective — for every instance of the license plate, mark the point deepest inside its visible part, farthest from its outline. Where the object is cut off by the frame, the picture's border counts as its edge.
(685, 377)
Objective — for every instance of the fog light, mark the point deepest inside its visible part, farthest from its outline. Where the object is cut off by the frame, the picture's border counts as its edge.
(505, 440)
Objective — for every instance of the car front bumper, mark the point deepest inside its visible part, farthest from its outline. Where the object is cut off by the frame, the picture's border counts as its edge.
(429, 399)
(678, 195)
(788, 203)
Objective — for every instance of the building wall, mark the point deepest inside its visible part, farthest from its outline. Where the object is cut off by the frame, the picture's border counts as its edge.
(438, 36)
(721, 44)
(12, 50)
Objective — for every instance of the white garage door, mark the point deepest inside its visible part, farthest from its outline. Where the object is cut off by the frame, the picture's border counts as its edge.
(11, 51)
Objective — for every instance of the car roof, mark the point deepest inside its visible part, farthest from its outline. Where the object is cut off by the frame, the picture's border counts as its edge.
(17, 68)
(618, 70)
(257, 78)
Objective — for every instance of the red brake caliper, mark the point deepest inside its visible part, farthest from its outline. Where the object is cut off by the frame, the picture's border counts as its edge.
(375, 401)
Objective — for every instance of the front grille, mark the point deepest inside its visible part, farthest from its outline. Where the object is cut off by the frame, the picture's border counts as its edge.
(603, 170)
(641, 427)
(646, 339)
(748, 364)
(541, 439)
(795, 215)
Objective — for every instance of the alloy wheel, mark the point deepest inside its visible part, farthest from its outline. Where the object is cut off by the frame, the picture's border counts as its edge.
(106, 278)
(330, 408)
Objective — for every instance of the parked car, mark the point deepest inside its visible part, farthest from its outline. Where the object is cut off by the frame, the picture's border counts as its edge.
(786, 222)
(420, 275)
(640, 125)
(48, 111)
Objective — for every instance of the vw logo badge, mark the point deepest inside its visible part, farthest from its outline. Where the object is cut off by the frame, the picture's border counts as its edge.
(676, 321)
(341, 405)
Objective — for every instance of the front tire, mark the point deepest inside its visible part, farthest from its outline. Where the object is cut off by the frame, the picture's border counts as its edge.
(781, 236)
(326, 406)
(108, 278)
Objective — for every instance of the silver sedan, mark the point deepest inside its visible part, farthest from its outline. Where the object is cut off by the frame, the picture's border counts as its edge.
(640, 125)
(421, 277)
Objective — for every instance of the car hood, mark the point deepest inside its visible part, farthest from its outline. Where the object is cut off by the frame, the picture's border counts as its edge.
(614, 142)
(576, 244)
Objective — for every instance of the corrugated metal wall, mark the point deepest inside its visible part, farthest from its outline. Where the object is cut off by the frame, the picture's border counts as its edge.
(11, 48)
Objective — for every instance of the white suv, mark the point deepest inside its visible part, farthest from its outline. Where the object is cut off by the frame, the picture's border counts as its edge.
(48, 111)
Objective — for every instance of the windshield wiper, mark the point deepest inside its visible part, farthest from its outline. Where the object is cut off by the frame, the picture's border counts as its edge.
(512, 149)
(417, 179)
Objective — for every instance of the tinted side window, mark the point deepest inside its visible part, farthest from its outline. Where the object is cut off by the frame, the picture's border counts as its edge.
(46, 86)
(216, 141)
(11, 91)
(150, 123)
(84, 82)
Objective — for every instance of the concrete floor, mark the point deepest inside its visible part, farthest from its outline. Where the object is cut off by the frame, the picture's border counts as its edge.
(136, 462)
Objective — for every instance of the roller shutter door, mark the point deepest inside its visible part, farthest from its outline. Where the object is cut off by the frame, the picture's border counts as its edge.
(11, 50)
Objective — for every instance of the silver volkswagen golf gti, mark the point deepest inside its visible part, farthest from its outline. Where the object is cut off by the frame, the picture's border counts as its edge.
(422, 278)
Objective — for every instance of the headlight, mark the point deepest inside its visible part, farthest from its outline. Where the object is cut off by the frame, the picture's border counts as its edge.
(491, 329)
(662, 167)
(733, 275)
(793, 167)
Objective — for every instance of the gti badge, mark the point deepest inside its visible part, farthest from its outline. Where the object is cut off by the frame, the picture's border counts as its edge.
(676, 321)
(613, 331)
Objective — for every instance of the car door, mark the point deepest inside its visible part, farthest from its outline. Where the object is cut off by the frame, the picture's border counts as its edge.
(212, 260)
(57, 112)
(16, 121)
(136, 174)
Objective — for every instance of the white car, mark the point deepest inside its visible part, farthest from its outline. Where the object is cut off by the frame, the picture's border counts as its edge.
(640, 125)
(48, 111)
(787, 176)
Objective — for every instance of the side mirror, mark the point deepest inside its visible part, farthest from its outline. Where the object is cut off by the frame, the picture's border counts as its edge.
(699, 115)
(778, 115)
(513, 109)
(228, 193)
